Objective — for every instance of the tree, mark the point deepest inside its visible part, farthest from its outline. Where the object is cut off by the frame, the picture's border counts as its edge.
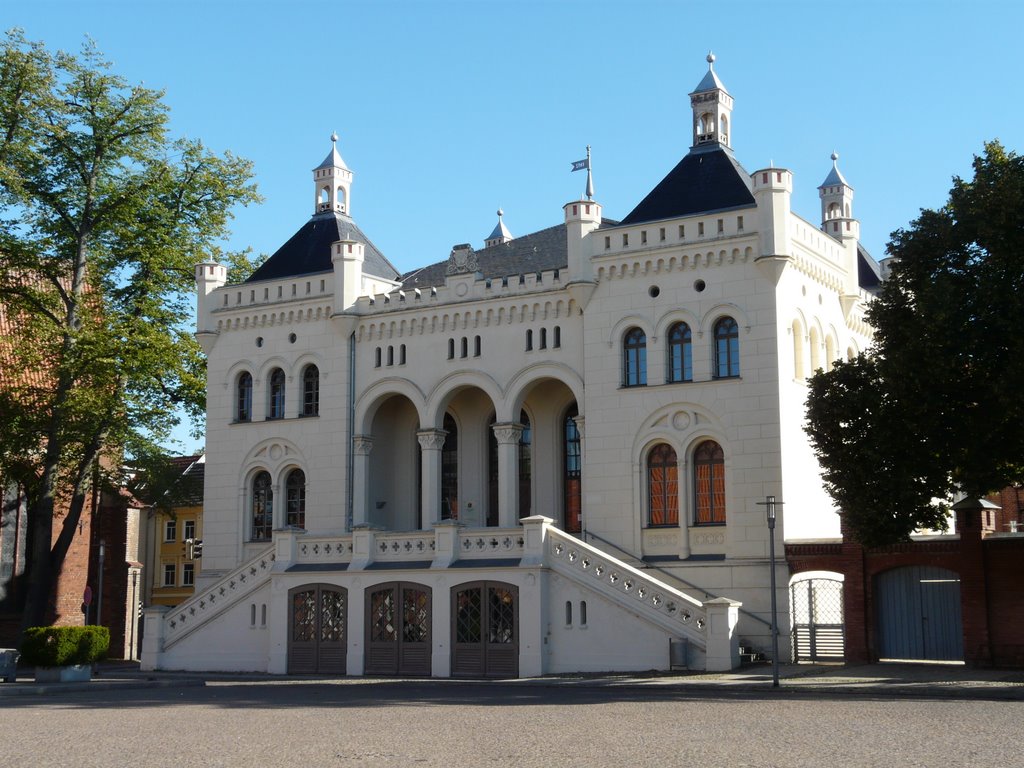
(104, 217)
(934, 407)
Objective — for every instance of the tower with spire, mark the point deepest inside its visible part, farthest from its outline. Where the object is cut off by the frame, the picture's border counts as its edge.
(500, 234)
(712, 110)
(333, 182)
(837, 220)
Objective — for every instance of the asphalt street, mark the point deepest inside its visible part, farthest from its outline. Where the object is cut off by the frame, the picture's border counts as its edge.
(349, 723)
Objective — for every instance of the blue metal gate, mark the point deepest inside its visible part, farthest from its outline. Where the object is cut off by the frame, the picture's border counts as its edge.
(919, 614)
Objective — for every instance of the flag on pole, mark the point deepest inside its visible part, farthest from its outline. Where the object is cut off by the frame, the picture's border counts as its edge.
(581, 165)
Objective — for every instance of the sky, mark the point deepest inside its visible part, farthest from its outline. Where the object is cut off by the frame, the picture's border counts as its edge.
(449, 109)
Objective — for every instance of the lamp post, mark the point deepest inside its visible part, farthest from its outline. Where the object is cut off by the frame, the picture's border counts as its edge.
(769, 505)
(99, 598)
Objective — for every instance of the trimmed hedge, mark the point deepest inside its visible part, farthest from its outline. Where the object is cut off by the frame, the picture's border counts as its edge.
(64, 646)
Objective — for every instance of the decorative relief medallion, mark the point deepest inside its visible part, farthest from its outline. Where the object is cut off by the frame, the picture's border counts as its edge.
(276, 452)
(462, 261)
(681, 420)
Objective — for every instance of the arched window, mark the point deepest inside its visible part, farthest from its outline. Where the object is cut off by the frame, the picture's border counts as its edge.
(798, 350)
(830, 352)
(450, 470)
(558, 338)
(465, 347)
(295, 486)
(815, 342)
(391, 355)
(727, 349)
(243, 398)
(680, 353)
(572, 473)
(341, 199)
(634, 358)
(525, 466)
(262, 507)
(709, 484)
(662, 486)
(401, 354)
(451, 349)
(543, 338)
(376, 357)
(310, 391)
(276, 393)
(529, 340)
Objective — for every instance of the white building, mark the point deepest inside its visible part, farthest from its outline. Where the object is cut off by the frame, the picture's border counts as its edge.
(548, 454)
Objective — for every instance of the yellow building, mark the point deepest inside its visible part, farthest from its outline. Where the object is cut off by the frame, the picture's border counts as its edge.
(177, 537)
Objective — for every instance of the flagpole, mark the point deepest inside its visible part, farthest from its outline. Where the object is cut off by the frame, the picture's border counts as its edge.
(590, 178)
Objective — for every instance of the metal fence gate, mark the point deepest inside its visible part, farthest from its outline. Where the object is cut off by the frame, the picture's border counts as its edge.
(919, 614)
(818, 632)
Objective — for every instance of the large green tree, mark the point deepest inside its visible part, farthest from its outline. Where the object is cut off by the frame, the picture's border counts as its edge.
(934, 407)
(104, 216)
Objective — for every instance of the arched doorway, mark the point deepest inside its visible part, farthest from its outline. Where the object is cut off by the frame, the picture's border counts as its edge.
(919, 614)
(816, 603)
(398, 616)
(485, 630)
(317, 636)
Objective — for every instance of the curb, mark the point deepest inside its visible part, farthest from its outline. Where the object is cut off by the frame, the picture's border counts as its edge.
(92, 686)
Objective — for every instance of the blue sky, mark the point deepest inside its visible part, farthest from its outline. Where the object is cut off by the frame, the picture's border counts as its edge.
(448, 109)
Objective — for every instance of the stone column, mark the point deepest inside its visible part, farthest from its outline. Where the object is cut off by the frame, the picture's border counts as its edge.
(361, 445)
(723, 643)
(431, 443)
(508, 435)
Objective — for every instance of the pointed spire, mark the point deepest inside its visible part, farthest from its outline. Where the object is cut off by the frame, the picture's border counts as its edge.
(710, 81)
(590, 176)
(500, 234)
(333, 159)
(834, 177)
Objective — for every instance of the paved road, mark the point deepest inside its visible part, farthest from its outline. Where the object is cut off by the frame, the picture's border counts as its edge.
(354, 723)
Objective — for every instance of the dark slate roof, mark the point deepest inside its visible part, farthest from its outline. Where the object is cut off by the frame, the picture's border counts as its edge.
(869, 275)
(705, 180)
(536, 252)
(309, 250)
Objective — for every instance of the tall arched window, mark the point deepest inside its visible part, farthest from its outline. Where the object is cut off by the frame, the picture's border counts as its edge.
(243, 398)
(727, 349)
(275, 408)
(798, 350)
(310, 391)
(634, 358)
(295, 487)
(525, 466)
(709, 484)
(450, 470)
(815, 343)
(262, 507)
(662, 486)
(680, 353)
(572, 473)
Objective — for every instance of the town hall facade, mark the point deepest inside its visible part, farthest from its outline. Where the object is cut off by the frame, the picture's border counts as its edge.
(547, 453)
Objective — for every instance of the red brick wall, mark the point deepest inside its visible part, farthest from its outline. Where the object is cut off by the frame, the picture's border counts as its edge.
(991, 588)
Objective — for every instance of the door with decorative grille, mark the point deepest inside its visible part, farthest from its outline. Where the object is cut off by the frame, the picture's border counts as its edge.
(485, 630)
(818, 629)
(398, 617)
(317, 637)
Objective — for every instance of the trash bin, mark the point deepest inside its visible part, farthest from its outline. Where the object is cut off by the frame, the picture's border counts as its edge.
(9, 664)
(677, 652)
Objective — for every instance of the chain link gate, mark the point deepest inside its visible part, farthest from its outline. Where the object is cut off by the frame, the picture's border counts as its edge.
(818, 631)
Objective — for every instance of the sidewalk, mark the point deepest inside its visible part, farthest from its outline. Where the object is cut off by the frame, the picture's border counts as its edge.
(886, 680)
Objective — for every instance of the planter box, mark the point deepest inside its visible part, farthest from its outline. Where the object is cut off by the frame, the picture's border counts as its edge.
(77, 673)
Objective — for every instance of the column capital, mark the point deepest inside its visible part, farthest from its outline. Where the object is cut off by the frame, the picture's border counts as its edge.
(580, 424)
(508, 432)
(362, 444)
(431, 439)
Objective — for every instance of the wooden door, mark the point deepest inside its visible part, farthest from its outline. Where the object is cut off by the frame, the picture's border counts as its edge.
(317, 633)
(398, 617)
(485, 630)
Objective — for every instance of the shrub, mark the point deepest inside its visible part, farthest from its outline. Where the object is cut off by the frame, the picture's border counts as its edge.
(64, 646)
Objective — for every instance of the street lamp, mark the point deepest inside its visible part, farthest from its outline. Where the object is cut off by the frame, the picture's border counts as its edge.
(769, 504)
(99, 599)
